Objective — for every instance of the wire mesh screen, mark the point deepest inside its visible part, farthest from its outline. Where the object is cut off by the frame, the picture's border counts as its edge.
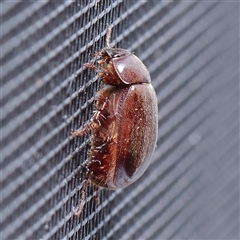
(191, 188)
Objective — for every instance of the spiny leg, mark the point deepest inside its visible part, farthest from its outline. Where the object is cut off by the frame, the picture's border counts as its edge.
(92, 66)
(93, 123)
(108, 37)
(87, 128)
(83, 197)
(85, 184)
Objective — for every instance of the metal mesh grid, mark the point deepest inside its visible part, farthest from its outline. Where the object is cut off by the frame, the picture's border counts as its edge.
(191, 189)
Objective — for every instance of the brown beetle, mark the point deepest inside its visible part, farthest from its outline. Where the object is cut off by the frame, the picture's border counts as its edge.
(124, 125)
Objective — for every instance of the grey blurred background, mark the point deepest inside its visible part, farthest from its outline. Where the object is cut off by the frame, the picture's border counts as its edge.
(190, 190)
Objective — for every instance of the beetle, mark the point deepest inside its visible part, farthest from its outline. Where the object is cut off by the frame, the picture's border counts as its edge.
(124, 126)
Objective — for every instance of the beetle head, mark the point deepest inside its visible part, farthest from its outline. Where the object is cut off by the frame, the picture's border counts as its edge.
(129, 68)
(116, 52)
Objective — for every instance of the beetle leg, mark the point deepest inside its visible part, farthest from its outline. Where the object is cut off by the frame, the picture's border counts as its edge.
(83, 197)
(102, 116)
(97, 54)
(92, 66)
(104, 104)
(101, 99)
(85, 185)
(93, 123)
(88, 127)
(97, 195)
(108, 36)
(97, 115)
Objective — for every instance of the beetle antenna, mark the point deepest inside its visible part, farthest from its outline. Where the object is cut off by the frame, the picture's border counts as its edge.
(108, 36)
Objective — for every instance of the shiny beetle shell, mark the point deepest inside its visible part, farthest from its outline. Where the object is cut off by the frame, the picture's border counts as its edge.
(123, 145)
(124, 125)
